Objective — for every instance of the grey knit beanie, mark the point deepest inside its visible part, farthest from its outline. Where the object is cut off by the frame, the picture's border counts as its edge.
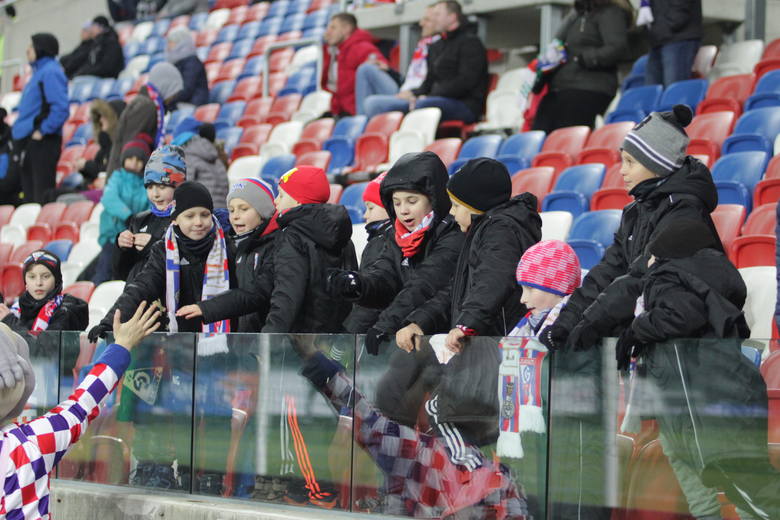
(257, 193)
(167, 78)
(659, 141)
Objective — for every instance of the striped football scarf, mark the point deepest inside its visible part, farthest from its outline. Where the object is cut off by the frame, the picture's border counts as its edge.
(159, 104)
(41, 322)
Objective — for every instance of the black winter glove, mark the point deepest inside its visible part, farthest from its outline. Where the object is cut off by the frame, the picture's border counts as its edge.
(343, 284)
(319, 369)
(374, 338)
(553, 337)
(582, 337)
(627, 347)
(97, 332)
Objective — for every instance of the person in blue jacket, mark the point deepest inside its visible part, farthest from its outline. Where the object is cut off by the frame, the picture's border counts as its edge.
(43, 109)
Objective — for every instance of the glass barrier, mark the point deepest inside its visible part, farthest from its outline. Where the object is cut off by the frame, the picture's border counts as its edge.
(503, 429)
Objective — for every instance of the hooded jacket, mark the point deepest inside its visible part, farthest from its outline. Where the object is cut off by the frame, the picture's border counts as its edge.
(352, 52)
(44, 103)
(109, 111)
(130, 261)
(123, 197)
(457, 69)
(402, 284)
(205, 166)
(73, 61)
(688, 193)
(674, 21)
(484, 295)
(196, 85)
(72, 314)
(105, 58)
(139, 117)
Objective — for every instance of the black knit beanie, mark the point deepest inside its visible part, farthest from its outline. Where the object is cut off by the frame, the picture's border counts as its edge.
(480, 185)
(682, 239)
(49, 260)
(191, 194)
(45, 44)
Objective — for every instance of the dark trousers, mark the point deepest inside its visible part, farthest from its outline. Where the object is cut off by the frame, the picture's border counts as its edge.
(39, 167)
(563, 108)
(671, 62)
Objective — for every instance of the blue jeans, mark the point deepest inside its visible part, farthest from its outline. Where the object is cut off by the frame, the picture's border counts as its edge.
(104, 269)
(370, 81)
(671, 62)
(450, 108)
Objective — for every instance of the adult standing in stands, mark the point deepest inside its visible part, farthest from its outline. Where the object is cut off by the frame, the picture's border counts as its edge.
(345, 49)
(77, 57)
(105, 58)
(675, 31)
(594, 34)
(43, 109)
(181, 52)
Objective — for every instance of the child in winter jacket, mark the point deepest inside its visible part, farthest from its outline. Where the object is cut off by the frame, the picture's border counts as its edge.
(165, 170)
(418, 258)
(124, 196)
(30, 451)
(42, 306)
(203, 161)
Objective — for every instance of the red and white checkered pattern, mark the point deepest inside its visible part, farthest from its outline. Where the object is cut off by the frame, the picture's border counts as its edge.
(550, 265)
(37, 446)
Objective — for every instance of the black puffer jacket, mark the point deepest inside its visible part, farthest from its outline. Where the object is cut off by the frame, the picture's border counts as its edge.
(74, 60)
(72, 314)
(403, 284)
(688, 193)
(457, 68)
(105, 58)
(362, 318)
(484, 294)
(130, 261)
(253, 260)
(674, 21)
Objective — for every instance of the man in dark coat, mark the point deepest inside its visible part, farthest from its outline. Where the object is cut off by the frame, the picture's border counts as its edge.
(675, 36)
(105, 58)
(181, 52)
(77, 57)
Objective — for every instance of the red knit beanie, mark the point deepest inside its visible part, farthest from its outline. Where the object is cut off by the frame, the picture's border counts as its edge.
(306, 184)
(550, 265)
(371, 193)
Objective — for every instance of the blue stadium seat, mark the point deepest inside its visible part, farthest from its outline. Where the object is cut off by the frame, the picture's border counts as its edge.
(197, 21)
(313, 32)
(277, 166)
(252, 67)
(102, 88)
(249, 30)
(341, 144)
(229, 114)
(79, 91)
(121, 86)
(753, 354)
(230, 137)
(636, 103)
(278, 8)
(352, 199)
(639, 66)
(154, 59)
(161, 27)
(298, 7)
(131, 48)
(632, 82)
(736, 175)
(766, 93)
(518, 151)
(82, 135)
(315, 19)
(61, 248)
(153, 45)
(481, 146)
(574, 188)
(228, 33)
(176, 117)
(689, 92)
(299, 82)
(240, 48)
(292, 22)
(755, 130)
(270, 26)
(220, 92)
(592, 233)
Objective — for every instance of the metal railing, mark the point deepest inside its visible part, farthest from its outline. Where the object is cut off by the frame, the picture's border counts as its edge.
(283, 45)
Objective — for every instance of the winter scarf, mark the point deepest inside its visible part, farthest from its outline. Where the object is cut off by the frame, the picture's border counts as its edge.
(159, 103)
(46, 308)
(411, 241)
(160, 212)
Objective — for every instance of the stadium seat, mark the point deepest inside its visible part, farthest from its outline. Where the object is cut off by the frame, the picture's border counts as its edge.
(282, 138)
(229, 114)
(247, 33)
(341, 143)
(561, 147)
(243, 167)
(708, 131)
(417, 130)
(101, 89)
(762, 220)
(251, 140)
(82, 136)
(81, 114)
(335, 194)
(736, 175)
(50, 213)
(207, 113)
(352, 199)
(371, 148)
(81, 290)
(613, 193)
(502, 110)
(221, 91)
(766, 93)
(255, 111)
(759, 305)
(218, 52)
(591, 233)
(5, 252)
(280, 59)
(78, 92)
(765, 66)
(314, 134)
(574, 188)
(237, 15)
(755, 130)
(22, 251)
(301, 82)
(61, 248)
(728, 220)
(635, 78)
(106, 294)
(688, 92)
(727, 94)
(556, 225)
(480, 146)
(538, 180)
(12, 279)
(753, 250)
(635, 104)
(517, 151)
(175, 118)
(604, 143)
(277, 166)
(229, 136)
(270, 25)
(259, 47)
(66, 231)
(319, 158)
(6, 211)
(229, 70)
(313, 106)
(737, 58)
(227, 33)
(282, 108)
(704, 61)
(772, 49)
(246, 89)
(446, 148)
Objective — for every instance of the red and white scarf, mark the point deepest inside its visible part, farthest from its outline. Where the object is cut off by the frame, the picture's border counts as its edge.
(410, 241)
(41, 322)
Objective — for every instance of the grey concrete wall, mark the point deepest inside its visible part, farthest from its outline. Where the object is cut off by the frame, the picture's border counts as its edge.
(772, 17)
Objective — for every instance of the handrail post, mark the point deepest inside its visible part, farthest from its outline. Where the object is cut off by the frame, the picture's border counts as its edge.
(284, 45)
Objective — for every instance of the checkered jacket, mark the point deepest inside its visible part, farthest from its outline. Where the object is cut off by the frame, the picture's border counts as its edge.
(36, 447)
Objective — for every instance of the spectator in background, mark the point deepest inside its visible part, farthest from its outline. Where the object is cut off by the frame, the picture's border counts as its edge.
(104, 116)
(179, 7)
(594, 34)
(457, 75)
(675, 33)
(345, 49)
(73, 61)
(105, 58)
(375, 81)
(180, 51)
(202, 157)
(43, 109)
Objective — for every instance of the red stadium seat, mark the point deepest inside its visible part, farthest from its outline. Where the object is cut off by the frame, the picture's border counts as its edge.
(314, 134)
(604, 144)
(727, 94)
(561, 147)
(372, 147)
(276, 81)
(613, 193)
(320, 158)
(772, 50)
(255, 111)
(768, 189)
(280, 59)
(206, 37)
(260, 45)
(81, 290)
(335, 193)
(230, 70)
(446, 148)
(728, 220)
(81, 114)
(707, 133)
(289, 36)
(67, 230)
(218, 53)
(212, 71)
(5, 252)
(753, 250)
(51, 213)
(538, 180)
(68, 129)
(246, 89)
(257, 12)
(78, 212)
(12, 281)
(228, 4)
(6, 211)
(251, 140)
(91, 151)
(316, 5)
(764, 66)
(762, 220)
(282, 109)
(70, 155)
(207, 113)
(237, 15)
(22, 251)
(42, 232)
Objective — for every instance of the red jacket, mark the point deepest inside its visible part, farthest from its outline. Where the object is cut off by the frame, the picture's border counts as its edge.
(352, 53)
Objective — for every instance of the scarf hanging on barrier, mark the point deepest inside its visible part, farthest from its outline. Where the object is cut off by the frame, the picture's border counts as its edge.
(159, 104)
(216, 277)
(519, 393)
(41, 322)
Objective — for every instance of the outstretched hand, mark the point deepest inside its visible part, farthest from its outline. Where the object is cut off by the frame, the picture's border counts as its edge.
(143, 323)
(189, 312)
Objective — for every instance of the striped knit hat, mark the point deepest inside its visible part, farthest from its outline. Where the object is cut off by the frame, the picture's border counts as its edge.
(255, 192)
(659, 141)
(550, 265)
